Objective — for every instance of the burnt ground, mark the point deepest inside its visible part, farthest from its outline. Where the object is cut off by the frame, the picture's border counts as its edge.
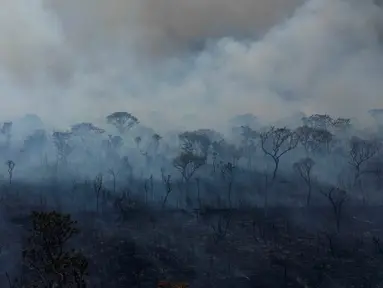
(285, 247)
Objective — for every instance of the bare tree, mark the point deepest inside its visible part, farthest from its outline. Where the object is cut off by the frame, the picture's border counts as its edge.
(148, 187)
(337, 197)
(167, 181)
(227, 172)
(97, 187)
(11, 165)
(114, 175)
(304, 167)
(276, 142)
(123, 121)
(360, 152)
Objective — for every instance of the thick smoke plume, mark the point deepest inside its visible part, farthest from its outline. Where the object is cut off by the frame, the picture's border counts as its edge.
(190, 62)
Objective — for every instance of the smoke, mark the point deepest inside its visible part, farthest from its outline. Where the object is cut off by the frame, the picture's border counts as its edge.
(194, 63)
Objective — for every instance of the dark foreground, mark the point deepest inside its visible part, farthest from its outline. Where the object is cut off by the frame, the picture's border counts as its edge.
(138, 246)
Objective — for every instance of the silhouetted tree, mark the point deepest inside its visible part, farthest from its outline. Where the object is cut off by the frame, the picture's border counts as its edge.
(276, 142)
(337, 197)
(123, 121)
(360, 152)
(167, 181)
(227, 173)
(85, 128)
(47, 254)
(11, 165)
(304, 167)
(187, 163)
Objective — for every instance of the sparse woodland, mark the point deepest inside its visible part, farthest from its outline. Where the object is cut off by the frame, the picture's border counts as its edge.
(122, 206)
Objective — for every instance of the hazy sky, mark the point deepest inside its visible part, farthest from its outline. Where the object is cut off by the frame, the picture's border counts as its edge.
(81, 59)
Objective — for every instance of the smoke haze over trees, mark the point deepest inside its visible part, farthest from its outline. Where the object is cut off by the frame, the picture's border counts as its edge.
(222, 143)
(208, 60)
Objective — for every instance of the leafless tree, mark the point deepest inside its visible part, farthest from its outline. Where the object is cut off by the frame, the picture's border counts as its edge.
(276, 142)
(360, 152)
(167, 181)
(304, 168)
(97, 187)
(114, 175)
(123, 121)
(11, 165)
(148, 187)
(337, 197)
(227, 172)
